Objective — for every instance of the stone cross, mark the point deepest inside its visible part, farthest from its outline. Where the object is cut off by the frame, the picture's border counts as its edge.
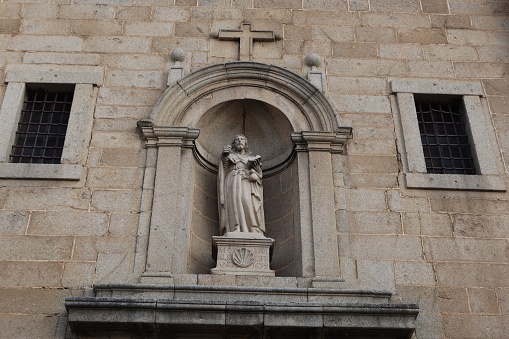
(246, 37)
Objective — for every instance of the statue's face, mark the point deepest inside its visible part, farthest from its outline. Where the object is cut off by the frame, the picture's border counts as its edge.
(240, 142)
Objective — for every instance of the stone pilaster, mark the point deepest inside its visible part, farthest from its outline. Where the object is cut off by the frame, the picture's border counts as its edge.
(171, 203)
(320, 257)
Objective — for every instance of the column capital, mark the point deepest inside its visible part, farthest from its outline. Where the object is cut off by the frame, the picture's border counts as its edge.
(164, 136)
(333, 142)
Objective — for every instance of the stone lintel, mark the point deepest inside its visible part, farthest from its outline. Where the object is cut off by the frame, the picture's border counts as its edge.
(167, 135)
(334, 142)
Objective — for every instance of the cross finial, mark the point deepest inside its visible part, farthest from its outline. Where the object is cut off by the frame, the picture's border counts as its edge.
(246, 37)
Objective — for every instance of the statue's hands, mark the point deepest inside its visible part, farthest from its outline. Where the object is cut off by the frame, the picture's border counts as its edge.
(227, 150)
(255, 162)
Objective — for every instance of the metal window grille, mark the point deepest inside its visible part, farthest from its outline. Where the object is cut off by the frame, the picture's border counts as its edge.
(42, 126)
(444, 137)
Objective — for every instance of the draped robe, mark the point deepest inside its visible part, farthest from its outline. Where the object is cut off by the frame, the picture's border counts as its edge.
(240, 195)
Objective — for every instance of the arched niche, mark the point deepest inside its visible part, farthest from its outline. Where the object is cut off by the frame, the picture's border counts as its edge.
(282, 108)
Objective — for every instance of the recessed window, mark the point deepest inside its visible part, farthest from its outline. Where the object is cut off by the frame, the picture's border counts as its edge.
(42, 127)
(46, 118)
(444, 137)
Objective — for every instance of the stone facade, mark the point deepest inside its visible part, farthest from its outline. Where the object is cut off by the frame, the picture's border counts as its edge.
(443, 246)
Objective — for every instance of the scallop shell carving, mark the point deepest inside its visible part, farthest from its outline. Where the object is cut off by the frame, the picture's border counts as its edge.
(242, 257)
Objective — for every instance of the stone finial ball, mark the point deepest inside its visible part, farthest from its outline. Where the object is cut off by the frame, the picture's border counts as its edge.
(313, 59)
(178, 54)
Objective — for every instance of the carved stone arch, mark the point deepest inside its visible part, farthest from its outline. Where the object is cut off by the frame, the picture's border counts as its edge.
(171, 133)
(247, 80)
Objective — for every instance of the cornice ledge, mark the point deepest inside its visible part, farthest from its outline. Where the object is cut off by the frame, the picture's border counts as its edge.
(334, 142)
(167, 135)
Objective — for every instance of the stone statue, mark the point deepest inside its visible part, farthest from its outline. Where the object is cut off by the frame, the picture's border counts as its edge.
(240, 191)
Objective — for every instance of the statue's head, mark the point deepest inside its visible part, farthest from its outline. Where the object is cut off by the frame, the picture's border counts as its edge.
(240, 143)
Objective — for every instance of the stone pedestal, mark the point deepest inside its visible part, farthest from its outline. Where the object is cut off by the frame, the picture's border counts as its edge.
(237, 255)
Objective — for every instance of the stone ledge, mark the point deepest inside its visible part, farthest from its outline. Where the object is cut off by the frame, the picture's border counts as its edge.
(40, 171)
(223, 309)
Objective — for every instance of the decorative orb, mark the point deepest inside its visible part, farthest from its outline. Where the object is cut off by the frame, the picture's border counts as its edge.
(313, 59)
(178, 54)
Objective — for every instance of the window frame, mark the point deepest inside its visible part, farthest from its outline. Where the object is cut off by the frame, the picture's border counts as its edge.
(86, 79)
(482, 141)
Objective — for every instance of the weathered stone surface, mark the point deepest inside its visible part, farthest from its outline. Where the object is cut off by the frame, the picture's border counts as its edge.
(46, 43)
(496, 86)
(365, 199)
(356, 67)
(138, 13)
(378, 147)
(386, 247)
(468, 206)
(457, 249)
(61, 58)
(437, 224)
(126, 178)
(277, 4)
(47, 198)
(483, 300)
(149, 29)
(112, 268)
(395, 6)
(147, 79)
(31, 274)
(78, 274)
(372, 164)
(485, 226)
(435, 6)
(68, 223)
(95, 27)
(450, 52)
(371, 34)
(118, 200)
(398, 51)
(13, 222)
(401, 20)
(32, 326)
(34, 300)
(86, 12)
(88, 248)
(10, 10)
(450, 21)
(377, 275)
(474, 326)
(472, 274)
(119, 44)
(362, 103)
(123, 96)
(21, 247)
(10, 26)
(414, 273)
(374, 222)
(358, 5)
(478, 7)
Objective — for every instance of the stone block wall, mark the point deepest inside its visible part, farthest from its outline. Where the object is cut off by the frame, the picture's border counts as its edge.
(446, 250)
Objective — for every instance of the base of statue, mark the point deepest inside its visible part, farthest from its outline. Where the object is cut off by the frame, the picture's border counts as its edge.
(242, 254)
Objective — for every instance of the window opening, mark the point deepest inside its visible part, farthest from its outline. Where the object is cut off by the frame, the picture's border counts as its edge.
(42, 126)
(444, 136)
